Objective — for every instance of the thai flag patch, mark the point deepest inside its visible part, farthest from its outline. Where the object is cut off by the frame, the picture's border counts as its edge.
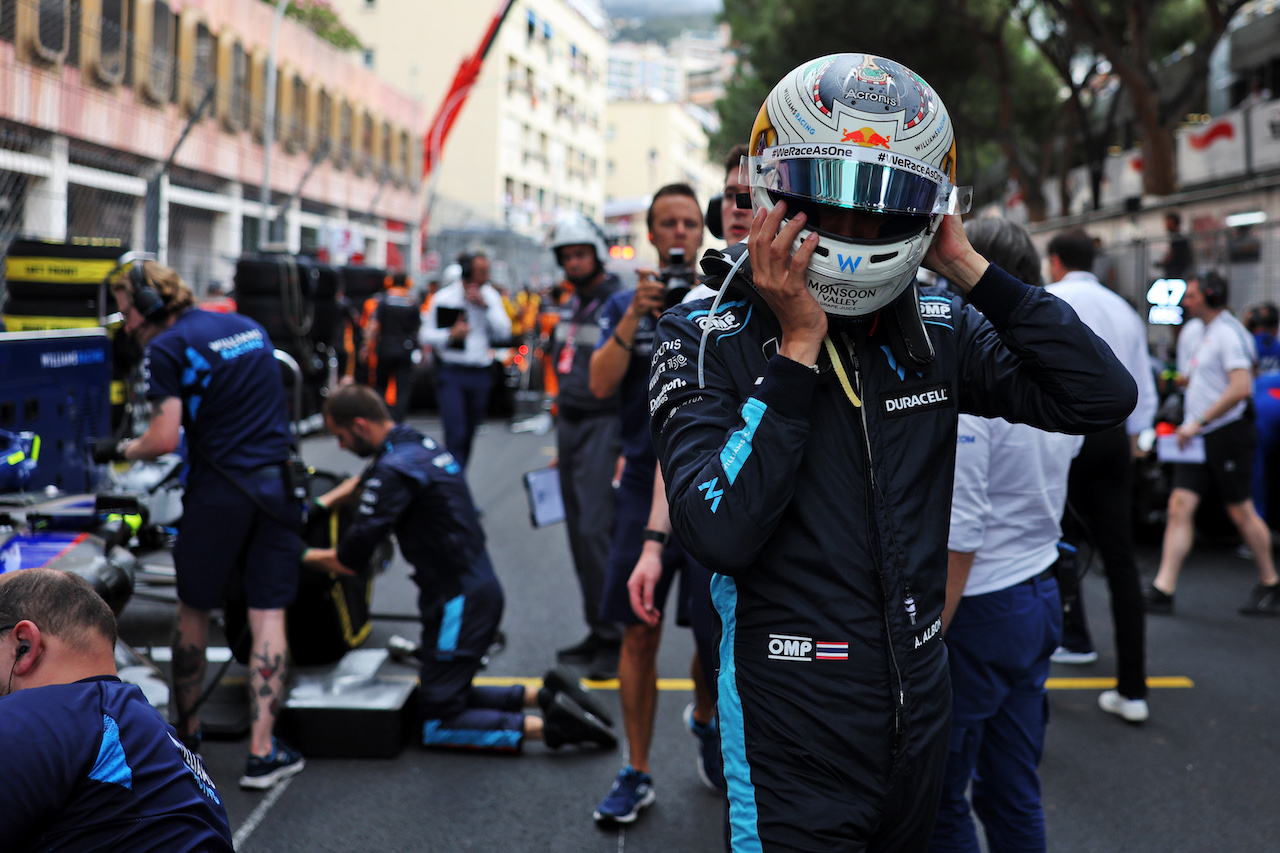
(829, 650)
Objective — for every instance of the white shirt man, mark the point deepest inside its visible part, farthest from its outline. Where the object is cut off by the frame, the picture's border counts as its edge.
(1002, 621)
(1101, 482)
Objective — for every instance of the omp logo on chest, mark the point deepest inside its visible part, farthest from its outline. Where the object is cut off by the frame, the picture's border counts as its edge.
(793, 647)
(925, 399)
(790, 647)
(931, 310)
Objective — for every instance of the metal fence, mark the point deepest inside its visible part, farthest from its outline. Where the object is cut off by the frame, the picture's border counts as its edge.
(1248, 257)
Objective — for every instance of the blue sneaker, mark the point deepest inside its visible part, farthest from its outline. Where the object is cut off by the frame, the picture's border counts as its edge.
(631, 792)
(263, 773)
(710, 768)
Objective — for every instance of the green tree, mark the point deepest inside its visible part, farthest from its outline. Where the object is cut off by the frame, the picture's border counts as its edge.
(1133, 37)
(1001, 96)
(1021, 78)
(321, 18)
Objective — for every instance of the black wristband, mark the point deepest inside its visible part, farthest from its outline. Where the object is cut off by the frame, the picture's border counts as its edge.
(651, 535)
(626, 346)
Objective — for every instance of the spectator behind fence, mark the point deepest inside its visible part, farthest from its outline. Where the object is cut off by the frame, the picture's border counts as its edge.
(88, 763)
(1177, 260)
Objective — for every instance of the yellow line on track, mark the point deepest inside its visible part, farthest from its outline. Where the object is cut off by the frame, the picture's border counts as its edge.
(1158, 681)
(1155, 682)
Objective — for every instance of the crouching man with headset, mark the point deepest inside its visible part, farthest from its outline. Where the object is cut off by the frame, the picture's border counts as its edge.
(215, 375)
(89, 764)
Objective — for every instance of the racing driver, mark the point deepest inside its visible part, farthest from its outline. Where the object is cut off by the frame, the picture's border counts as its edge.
(806, 424)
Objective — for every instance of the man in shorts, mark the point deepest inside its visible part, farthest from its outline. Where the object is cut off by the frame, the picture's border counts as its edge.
(620, 365)
(215, 375)
(1215, 406)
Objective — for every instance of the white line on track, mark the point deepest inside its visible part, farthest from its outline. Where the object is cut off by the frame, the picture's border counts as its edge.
(255, 817)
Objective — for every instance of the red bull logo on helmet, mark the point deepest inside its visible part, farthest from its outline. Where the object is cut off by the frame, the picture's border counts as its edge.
(866, 137)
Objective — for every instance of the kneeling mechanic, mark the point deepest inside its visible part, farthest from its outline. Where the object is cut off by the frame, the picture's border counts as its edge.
(415, 488)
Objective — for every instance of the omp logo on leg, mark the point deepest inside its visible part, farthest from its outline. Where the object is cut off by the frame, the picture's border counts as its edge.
(788, 647)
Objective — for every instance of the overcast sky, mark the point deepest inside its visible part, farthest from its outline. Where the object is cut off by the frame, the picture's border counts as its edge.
(660, 7)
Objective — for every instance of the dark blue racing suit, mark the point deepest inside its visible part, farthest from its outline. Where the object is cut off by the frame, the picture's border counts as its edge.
(92, 766)
(416, 488)
(824, 512)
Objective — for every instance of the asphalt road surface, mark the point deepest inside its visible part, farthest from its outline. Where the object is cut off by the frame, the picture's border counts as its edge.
(1201, 775)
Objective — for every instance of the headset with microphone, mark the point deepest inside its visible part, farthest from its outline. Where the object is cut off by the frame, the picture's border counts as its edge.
(1214, 288)
(146, 299)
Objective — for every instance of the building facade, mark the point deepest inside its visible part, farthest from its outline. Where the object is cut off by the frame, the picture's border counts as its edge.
(653, 143)
(528, 141)
(100, 94)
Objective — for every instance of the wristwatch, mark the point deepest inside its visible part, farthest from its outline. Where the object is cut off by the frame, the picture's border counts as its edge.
(651, 535)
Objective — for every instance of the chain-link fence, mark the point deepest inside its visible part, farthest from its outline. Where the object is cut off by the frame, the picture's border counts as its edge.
(1247, 256)
(518, 261)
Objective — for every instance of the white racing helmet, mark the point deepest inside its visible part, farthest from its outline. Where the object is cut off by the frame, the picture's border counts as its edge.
(865, 133)
(577, 230)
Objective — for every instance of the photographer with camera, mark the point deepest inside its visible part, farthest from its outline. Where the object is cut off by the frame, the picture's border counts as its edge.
(620, 365)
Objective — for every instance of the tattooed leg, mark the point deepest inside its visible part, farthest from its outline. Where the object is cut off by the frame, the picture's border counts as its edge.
(266, 676)
(190, 636)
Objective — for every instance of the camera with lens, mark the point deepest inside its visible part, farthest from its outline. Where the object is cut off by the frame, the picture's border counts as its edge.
(679, 278)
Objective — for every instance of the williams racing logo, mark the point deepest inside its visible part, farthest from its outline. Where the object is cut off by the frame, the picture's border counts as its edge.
(938, 397)
(792, 647)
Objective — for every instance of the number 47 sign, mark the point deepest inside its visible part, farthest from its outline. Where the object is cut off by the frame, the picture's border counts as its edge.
(1165, 297)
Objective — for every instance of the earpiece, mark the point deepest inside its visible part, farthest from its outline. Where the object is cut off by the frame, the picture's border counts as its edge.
(22, 650)
(146, 299)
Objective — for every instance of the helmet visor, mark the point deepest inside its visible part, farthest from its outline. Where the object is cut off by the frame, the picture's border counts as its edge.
(857, 177)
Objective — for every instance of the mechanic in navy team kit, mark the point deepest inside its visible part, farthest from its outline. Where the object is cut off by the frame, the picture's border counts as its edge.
(809, 445)
(215, 375)
(88, 763)
(415, 488)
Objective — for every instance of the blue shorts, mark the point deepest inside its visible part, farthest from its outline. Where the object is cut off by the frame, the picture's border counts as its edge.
(223, 535)
(631, 517)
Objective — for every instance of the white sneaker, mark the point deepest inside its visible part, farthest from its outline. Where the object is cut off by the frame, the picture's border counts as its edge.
(1065, 655)
(1132, 710)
